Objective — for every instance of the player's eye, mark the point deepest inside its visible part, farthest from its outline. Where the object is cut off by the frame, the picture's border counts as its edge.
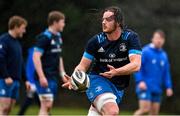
(109, 19)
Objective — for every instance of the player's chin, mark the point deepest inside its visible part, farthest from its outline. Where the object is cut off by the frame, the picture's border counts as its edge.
(105, 30)
(20, 36)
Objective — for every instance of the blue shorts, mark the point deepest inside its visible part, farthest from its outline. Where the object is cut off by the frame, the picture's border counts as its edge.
(149, 96)
(9, 91)
(100, 85)
(51, 89)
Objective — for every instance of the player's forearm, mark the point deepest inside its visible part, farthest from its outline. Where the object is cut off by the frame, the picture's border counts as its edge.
(3, 69)
(128, 69)
(38, 66)
(61, 66)
(82, 68)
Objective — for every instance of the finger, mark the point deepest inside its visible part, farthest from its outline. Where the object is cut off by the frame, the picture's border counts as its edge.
(110, 67)
(105, 75)
(65, 85)
(69, 87)
(67, 77)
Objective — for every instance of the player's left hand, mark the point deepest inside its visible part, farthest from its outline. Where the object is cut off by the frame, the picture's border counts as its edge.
(28, 86)
(109, 74)
(169, 92)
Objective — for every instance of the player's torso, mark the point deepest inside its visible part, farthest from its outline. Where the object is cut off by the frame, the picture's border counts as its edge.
(51, 56)
(14, 57)
(154, 68)
(155, 61)
(114, 53)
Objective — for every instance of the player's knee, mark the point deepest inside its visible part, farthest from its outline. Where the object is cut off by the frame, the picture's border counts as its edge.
(111, 110)
(106, 104)
(145, 110)
(47, 105)
(6, 109)
(46, 101)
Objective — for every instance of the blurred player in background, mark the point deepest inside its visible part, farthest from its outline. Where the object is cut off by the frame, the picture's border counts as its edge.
(153, 76)
(48, 61)
(116, 53)
(11, 63)
(30, 74)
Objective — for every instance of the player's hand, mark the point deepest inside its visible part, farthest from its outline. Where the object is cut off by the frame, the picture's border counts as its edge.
(67, 84)
(28, 86)
(8, 81)
(169, 92)
(109, 74)
(43, 82)
(142, 85)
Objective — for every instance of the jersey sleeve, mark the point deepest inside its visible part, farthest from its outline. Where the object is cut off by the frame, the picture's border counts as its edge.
(167, 75)
(30, 69)
(41, 43)
(134, 44)
(3, 57)
(90, 49)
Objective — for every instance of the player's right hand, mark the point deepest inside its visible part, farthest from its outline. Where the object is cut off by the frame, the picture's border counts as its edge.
(43, 82)
(142, 85)
(67, 84)
(8, 81)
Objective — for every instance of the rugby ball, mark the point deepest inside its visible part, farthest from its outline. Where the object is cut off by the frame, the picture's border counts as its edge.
(80, 81)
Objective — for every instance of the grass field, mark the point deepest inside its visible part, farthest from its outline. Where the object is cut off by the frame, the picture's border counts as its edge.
(33, 110)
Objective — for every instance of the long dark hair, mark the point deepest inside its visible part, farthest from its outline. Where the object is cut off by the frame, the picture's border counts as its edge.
(119, 17)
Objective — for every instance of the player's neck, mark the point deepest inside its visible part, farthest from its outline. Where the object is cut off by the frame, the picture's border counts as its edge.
(114, 35)
(52, 29)
(12, 33)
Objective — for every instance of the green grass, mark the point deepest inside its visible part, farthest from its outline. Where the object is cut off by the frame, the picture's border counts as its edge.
(33, 110)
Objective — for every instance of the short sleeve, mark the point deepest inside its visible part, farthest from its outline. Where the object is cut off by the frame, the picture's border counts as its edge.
(134, 44)
(41, 43)
(90, 49)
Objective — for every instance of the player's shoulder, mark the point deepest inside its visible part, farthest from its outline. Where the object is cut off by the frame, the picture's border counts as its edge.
(146, 47)
(129, 34)
(4, 37)
(164, 53)
(98, 38)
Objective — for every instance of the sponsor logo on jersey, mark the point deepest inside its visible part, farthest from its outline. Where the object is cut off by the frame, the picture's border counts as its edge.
(112, 55)
(122, 47)
(113, 60)
(101, 49)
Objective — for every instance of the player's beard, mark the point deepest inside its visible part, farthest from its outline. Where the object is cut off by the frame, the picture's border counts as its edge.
(112, 29)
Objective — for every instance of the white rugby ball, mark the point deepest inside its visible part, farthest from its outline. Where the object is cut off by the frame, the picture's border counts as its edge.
(80, 81)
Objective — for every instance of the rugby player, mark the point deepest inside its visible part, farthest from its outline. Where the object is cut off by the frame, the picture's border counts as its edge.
(48, 61)
(115, 54)
(11, 63)
(153, 76)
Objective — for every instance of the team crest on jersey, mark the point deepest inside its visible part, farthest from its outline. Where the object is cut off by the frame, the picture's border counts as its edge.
(122, 47)
(162, 63)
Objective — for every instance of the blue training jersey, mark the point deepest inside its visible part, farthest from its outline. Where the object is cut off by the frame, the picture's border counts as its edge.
(11, 59)
(154, 69)
(30, 69)
(116, 53)
(50, 45)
